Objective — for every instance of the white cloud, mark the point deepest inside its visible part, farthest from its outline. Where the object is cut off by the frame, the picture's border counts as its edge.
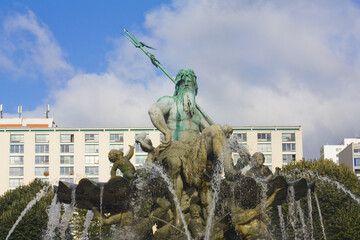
(28, 48)
(270, 62)
(258, 63)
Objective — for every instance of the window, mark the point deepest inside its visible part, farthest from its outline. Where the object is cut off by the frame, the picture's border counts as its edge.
(66, 171)
(67, 159)
(94, 179)
(357, 171)
(92, 159)
(162, 137)
(41, 148)
(269, 166)
(356, 161)
(16, 160)
(17, 148)
(240, 137)
(287, 158)
(138, 148)
(356, 150)
(17, 138)
(264, 147)
(66, 148)
(15, 182)
(16, 171)
(42, 138)
(42, 160)
(91, 170)
(117, 147)
(67, 138)
(264, 137)
(116, 137)
(268, 158)
(42, 171)
(91, 137)
(288, 147)
(70, 180)
(288, 137)
(140, 159)
(44, 180)
(91, 148)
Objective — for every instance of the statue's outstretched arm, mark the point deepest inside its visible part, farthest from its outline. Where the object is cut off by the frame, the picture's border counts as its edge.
(241, 216)
(131, 153)
(157, 114)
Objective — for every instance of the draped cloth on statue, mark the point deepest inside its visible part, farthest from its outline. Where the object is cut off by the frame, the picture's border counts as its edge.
(191, 155)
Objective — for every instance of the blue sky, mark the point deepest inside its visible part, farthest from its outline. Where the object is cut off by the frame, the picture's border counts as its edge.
(82, 29)
(272, 63)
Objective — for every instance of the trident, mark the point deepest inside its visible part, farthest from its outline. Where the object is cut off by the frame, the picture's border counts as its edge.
(157, 64)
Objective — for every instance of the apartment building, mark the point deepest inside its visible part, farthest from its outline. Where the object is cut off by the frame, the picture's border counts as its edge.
(331, 152)
(30, 150)
(351, 157)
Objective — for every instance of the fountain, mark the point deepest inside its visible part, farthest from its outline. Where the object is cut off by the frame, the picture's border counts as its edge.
(189, 187)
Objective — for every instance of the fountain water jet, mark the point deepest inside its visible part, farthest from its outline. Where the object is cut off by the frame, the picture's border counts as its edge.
(302, 219)
(88, 218)
(310, 214)
(54, 214)
(37, 198)
(282, 223)
(320, 216)
(68, 213)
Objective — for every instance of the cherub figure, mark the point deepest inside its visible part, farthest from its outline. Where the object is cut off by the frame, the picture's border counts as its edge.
(258, 169)
(122, 163)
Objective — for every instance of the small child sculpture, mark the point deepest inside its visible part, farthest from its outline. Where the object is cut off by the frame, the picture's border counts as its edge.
(122, 163)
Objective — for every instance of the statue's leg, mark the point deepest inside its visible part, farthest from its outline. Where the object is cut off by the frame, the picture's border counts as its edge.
(174, 165)
(205, 198)
(221, 150)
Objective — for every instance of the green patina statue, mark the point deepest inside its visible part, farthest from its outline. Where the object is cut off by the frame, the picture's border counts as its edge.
(192, 148)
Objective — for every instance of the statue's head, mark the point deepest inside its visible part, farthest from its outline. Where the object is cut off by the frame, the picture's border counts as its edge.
(185, 79)
(227, 130)
(258, 159)
(195, 210)
(115, 155)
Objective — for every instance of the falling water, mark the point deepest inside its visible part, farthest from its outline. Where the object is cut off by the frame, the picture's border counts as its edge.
(37, 198)
(292, 210)
(302, 219)
(101, 205)
(160, 170)
(88, 218)
(215, 188)
(282, 223)
(66, 217)
(54, 214)
(310, 214)
(340, 187)
(320, 216)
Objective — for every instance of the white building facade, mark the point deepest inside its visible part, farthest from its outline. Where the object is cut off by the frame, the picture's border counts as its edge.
(332, 152)
(69, 154)
(350, 156)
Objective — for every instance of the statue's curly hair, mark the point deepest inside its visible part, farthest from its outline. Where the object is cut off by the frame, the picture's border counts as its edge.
(180, 77)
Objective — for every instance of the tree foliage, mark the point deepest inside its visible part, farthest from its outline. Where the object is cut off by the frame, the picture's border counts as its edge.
(13, 202)
(340, 211)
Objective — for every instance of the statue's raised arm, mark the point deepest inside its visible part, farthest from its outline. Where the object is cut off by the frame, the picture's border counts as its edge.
(157, 64)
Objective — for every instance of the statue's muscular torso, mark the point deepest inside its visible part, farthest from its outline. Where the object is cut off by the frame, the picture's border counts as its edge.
(167, 116)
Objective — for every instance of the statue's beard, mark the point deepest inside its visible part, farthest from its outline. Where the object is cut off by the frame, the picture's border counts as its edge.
(188, 102)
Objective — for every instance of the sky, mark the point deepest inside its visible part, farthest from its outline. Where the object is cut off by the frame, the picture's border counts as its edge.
(258, 63)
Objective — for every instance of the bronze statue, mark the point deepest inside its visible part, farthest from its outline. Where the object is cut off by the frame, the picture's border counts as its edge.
(192, 147)
(122, 163)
